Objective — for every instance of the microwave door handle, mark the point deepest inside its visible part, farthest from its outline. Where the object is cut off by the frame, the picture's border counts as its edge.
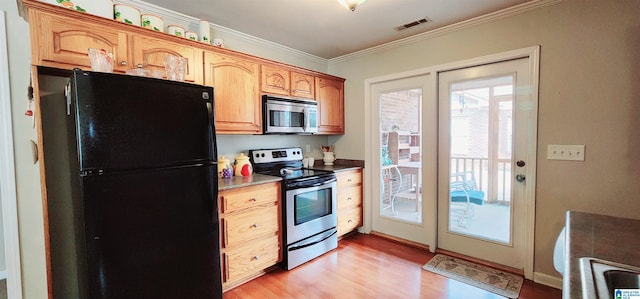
(305, 127)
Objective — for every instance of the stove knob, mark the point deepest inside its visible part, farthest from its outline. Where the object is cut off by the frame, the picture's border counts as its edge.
(263, 155)
(257, 155)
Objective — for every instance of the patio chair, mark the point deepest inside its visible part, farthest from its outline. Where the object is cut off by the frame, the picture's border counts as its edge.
(391, 182)
(464, 193)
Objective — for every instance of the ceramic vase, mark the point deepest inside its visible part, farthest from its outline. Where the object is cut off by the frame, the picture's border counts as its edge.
(328, 158)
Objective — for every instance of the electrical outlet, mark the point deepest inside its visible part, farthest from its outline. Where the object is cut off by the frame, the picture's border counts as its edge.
(565, 152)
(308, 148)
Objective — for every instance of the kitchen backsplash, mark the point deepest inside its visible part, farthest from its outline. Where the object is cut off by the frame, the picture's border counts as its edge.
(231, 145)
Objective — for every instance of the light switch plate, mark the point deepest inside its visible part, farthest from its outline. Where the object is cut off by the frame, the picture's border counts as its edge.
(566, 152)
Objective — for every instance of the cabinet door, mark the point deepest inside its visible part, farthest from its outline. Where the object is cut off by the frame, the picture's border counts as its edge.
(237, 96)
(275, 80)
(302, 85)
(330, 97)
(285, 82)
(149, 53)
(63, 42)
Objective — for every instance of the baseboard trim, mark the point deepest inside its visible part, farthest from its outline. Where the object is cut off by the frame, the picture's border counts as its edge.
(547, 280)
(3, 275)
(399, 240)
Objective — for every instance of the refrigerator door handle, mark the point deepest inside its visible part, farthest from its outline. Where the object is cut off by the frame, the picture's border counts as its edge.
(210, 109)
(67, 94)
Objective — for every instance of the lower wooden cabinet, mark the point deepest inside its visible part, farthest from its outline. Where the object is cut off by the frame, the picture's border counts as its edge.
(349, 200)
(60, 38)
(250, 225)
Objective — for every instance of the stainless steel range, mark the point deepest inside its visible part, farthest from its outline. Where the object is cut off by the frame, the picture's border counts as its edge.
(309, 204)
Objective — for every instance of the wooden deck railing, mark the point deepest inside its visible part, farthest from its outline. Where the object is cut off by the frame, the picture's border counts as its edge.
(496, 190)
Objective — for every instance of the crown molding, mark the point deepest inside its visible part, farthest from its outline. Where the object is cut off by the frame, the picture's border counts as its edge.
(500, 14)
(193, 24)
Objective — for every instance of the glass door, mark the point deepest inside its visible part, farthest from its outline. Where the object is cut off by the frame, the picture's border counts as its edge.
(485, 119)
(398, 126)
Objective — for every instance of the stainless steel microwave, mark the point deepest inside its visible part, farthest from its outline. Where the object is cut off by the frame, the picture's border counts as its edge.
(289, 116)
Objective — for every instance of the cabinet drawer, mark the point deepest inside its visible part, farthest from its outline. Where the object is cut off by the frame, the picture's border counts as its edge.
(349, 179)
(251, 259)
(349, 197)
(242, 227)
(349, 220)
(248, 197)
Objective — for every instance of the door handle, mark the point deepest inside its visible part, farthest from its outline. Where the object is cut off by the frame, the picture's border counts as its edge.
(520, 178)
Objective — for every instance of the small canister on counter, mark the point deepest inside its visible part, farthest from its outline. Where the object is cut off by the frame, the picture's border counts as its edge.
(242, 166)
(224, 168)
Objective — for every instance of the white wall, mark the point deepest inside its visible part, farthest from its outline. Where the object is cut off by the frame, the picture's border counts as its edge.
(589, 94)
(231, 145)
(27, 174)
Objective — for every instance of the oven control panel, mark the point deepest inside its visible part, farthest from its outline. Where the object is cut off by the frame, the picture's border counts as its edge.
(276, 155)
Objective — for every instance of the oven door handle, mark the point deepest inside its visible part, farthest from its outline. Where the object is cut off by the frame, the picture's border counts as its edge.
(323, 183)
(293, 248)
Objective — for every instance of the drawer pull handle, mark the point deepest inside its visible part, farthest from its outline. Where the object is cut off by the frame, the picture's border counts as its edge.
(349, 221)
(255, 258)
(253, 199)
(255, 225)
(124, 62)
(349, 180)
(349, 198)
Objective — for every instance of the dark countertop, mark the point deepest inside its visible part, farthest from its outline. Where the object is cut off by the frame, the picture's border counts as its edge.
(244, 181)
(336, 168)
(605, 237)
(256, 179)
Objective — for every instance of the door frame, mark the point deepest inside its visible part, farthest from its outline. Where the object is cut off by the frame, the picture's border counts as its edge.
(429, 199)
(533, 56)
(8, 195)
(430, 215)
(414, 232)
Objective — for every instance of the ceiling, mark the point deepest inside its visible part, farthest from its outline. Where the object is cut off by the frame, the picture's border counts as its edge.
(327, 29)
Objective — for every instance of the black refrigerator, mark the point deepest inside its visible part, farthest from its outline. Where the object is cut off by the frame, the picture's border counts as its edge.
(144, 187)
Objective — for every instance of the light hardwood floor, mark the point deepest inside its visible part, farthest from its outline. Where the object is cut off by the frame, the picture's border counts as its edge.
(367, 266)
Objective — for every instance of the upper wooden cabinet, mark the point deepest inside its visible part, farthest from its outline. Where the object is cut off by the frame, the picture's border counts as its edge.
(60, 42)
(278, 80)
(60, 38)
(237, 96)
(63, 42)
(149, 53)
(330, 97)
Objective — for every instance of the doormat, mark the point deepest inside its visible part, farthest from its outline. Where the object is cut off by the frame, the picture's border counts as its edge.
(490, 279)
